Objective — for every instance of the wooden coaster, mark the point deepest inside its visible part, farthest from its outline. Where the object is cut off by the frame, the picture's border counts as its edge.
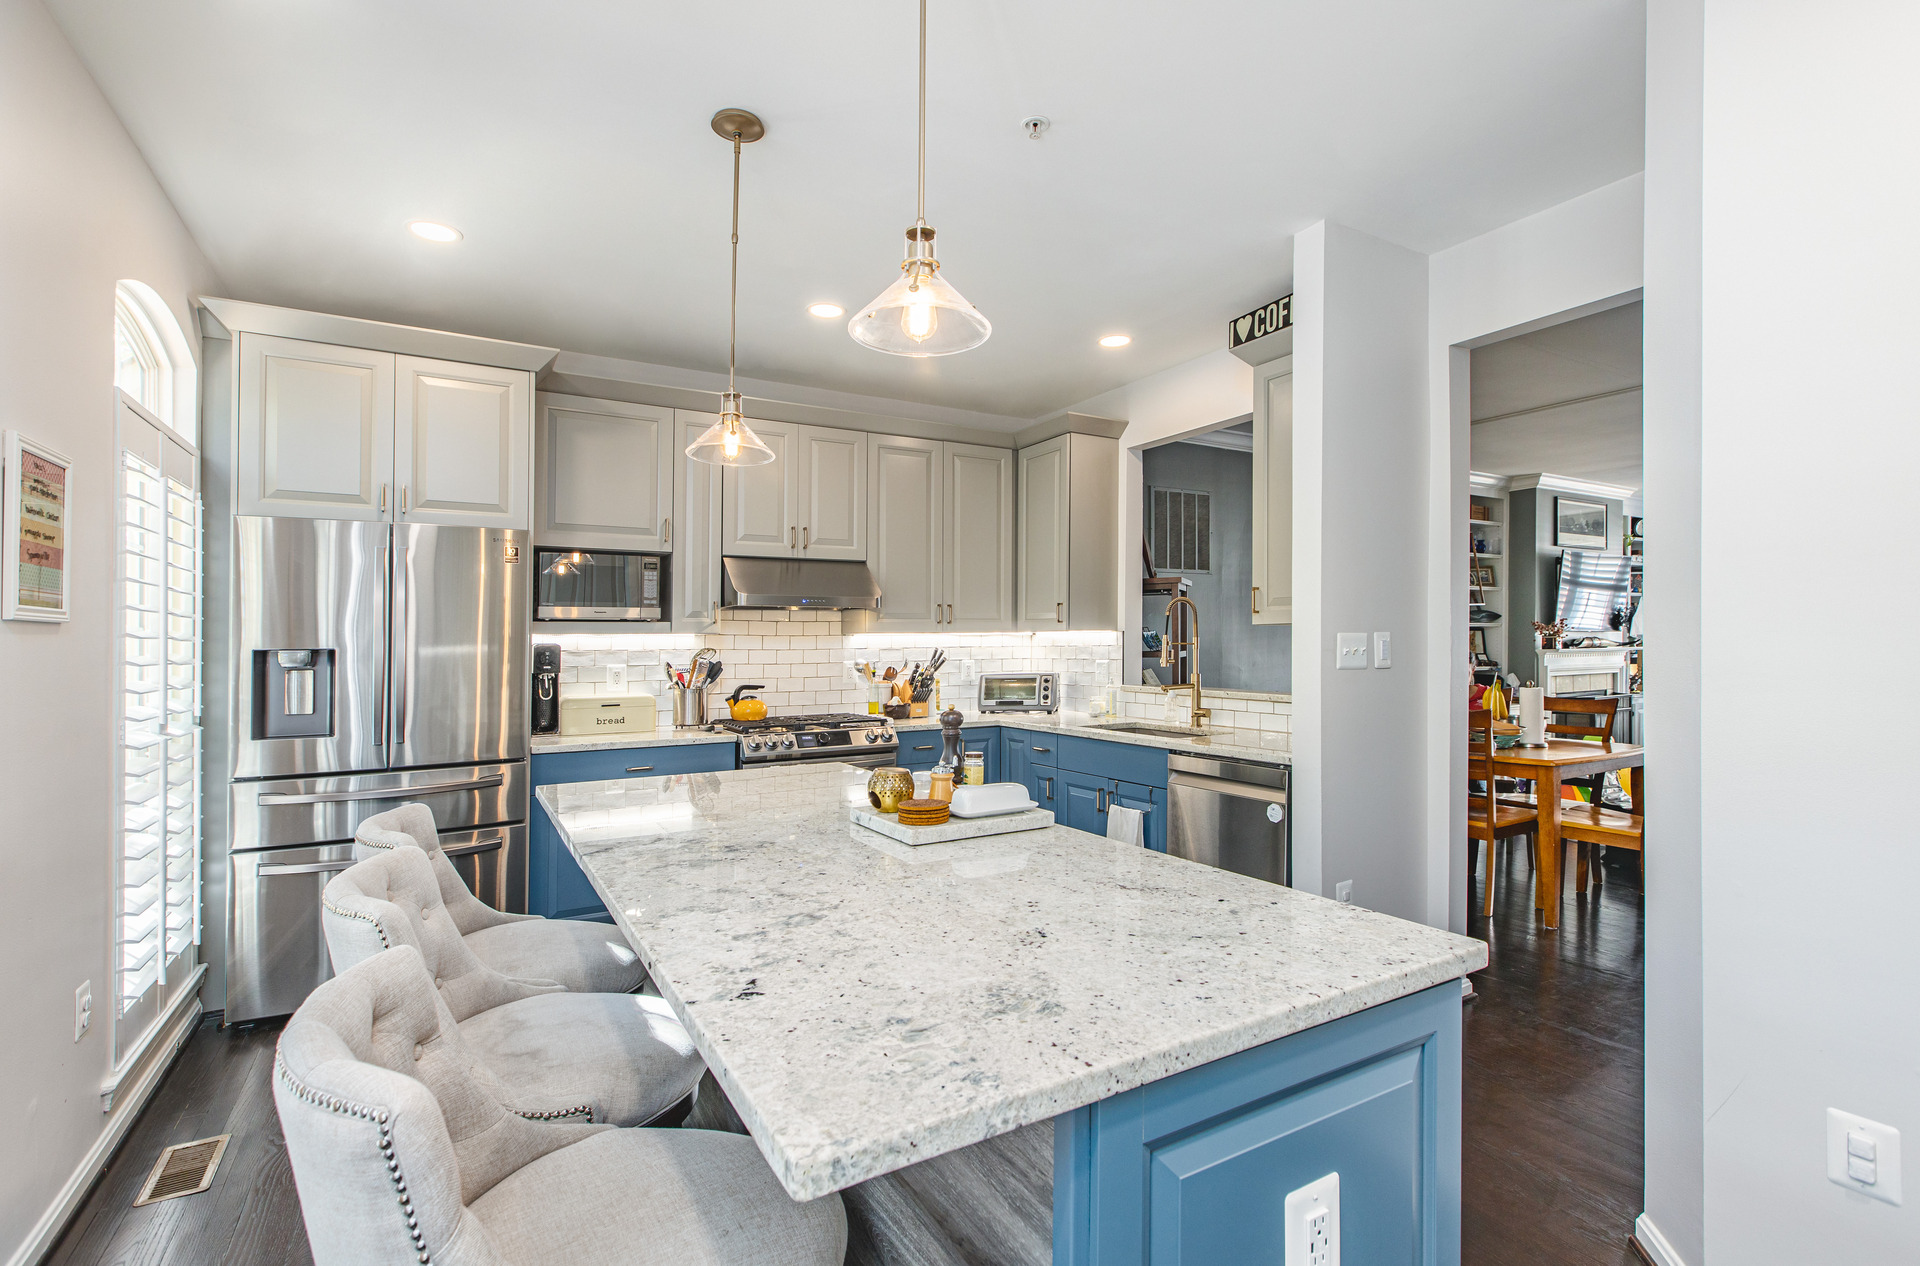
(923, 812)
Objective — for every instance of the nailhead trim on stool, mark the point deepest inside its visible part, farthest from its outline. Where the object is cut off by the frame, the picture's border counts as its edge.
(364, 918)
(346, 1107)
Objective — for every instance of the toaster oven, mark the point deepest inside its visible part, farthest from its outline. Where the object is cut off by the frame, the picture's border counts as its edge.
(1019, 692)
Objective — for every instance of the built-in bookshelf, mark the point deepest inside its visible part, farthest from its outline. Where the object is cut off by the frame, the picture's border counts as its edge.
(1487, 557)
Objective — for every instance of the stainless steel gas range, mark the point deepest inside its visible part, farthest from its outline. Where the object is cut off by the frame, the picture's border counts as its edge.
(855, 738)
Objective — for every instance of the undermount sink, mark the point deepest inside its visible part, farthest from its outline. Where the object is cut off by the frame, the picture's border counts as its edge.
(1162, 731)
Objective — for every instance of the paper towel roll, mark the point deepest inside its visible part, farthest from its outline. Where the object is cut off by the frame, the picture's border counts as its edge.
(1533, 715)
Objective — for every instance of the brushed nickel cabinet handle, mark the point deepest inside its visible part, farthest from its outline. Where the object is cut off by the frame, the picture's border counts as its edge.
(806, 538)
(1059, 613)
(403, 498)
(1256, 599)
(924, 747)
(638, 769)
(793, 538)
(949, 613)
(666, 531)
(383, 498)
(1043, 749)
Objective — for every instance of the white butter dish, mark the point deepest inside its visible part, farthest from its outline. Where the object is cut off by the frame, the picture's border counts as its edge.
(985, 800)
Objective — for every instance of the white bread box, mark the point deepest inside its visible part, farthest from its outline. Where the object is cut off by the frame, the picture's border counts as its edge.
(607, 714)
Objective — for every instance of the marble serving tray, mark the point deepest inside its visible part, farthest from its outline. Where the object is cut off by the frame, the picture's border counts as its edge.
(953, 828)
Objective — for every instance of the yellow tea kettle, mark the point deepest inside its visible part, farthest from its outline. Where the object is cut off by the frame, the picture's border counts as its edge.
(750, 708)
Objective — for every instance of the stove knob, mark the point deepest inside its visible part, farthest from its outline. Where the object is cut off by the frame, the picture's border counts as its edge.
(873, 736)
(787, 742)
(753, 745)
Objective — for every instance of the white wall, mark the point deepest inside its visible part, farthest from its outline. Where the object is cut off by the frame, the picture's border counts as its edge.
(1580, 256)
(1675, 1195)
(80, 212)
(1360, 489)
(1807, 850)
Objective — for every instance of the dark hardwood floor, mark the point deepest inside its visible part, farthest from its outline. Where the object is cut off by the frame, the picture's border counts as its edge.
(1552, 1146)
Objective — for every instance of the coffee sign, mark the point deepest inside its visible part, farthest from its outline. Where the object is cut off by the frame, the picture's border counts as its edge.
(1260, 322)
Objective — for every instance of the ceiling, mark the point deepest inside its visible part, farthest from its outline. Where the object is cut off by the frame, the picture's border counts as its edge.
(570, 144)
(1565, 400)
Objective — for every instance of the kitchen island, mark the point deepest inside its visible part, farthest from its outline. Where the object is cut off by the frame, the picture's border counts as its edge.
(1202, 1042)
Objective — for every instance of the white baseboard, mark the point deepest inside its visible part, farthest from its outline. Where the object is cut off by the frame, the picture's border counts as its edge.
(131, 1097)
(1655, 1244)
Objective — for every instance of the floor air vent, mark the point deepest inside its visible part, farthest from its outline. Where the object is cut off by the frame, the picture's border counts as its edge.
(184, 1169)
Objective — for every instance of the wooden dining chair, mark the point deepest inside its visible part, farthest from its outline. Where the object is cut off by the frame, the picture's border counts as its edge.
(1602, 711)
(1490, 818)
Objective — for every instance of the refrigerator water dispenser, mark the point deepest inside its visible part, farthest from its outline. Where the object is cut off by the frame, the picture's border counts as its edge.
(293, 693)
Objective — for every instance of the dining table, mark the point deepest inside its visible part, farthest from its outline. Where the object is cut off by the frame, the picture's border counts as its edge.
(1549, 768)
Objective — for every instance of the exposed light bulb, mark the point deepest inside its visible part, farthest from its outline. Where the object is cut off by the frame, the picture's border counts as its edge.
(732, 443)
(919, 321)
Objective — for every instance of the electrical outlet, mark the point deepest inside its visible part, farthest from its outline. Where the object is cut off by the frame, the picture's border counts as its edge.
(1313, 1223)
(1863, 1155)
(1350, 651)
(1383, 650)
(1343, 891)
(82, 1009)
(616, 679)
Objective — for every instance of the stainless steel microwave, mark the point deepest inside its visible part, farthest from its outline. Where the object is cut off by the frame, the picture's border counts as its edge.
(601, 584)
(1019, 692)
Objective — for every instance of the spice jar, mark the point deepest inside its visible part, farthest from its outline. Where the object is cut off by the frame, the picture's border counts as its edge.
(974, 766)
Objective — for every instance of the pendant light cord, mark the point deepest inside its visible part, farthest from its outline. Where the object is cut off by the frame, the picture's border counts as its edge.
(923, 112)
(733, 282)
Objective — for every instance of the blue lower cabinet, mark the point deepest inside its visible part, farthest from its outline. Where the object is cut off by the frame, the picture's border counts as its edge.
(1194, 1169)
(556, 886)
(1152, 804)
(1127, 762)
(1082, 802)
(919, 749)
(986, 741)
(1043, 784)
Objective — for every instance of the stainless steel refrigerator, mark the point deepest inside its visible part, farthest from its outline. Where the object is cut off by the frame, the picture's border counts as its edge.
(372, 664)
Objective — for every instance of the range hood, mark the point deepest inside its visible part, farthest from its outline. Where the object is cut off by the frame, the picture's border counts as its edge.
(798, 582)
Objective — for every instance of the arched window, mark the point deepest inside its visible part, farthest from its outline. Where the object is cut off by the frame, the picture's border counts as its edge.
(152, 361)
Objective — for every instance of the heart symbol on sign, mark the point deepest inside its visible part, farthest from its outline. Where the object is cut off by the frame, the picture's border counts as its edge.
(1244, 324)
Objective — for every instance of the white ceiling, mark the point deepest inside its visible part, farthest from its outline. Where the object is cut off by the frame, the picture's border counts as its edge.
(570, 143)
(1564, 400)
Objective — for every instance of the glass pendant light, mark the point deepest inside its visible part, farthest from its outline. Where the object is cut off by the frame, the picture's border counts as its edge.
(730, 441)
(920, 314)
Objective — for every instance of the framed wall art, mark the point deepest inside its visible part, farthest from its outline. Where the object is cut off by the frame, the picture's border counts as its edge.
(1579, 524)
(36, 502)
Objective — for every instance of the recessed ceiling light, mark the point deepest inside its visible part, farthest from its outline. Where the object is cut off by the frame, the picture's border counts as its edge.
(1115, 340)
(826, 310)
(434, 232)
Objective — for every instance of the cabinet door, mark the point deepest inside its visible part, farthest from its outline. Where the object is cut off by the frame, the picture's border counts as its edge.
(462, 443)
(695, 578)
(1043, 784)
(759, 504)
(979, 537)
(316, 431)
(833, 493)
(1083, 798)
(1147, 800)
(908, 491)
(1043, 535)
(603, 474)
(1272, 598)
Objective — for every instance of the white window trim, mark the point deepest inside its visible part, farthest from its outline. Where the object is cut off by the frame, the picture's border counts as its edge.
(179, 373)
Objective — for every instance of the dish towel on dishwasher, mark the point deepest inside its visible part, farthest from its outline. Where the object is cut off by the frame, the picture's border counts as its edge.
(1126, 825)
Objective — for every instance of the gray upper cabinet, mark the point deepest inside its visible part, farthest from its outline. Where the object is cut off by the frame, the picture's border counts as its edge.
(1068, 521)
(604, 475)
(908, 481)
(316, 430)
(978, 546)
(695, 582)
(1272, 598)
(942, 523)
(462, 443)
(329, 432)
(809, 502)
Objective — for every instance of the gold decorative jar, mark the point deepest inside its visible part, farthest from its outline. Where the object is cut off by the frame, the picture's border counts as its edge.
(888, 786)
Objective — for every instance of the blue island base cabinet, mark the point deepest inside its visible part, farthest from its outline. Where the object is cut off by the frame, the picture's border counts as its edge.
(556, 886)
(1194, 1169)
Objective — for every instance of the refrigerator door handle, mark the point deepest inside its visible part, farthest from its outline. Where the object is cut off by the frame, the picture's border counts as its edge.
(403, 693)
(480, 846)
(302, 868)
(379, 709)
(270, 798)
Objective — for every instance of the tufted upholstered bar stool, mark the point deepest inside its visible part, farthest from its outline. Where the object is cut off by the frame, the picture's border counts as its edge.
(623, 1058)
(582, 957)
(403, 1152)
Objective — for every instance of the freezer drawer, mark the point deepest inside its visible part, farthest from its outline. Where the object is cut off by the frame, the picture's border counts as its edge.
(276, 947)
(281, 813)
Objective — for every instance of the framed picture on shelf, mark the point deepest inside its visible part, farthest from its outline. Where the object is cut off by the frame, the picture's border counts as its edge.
(1579, 524)
(34, 503)
(1485, 578)
(1477, 646)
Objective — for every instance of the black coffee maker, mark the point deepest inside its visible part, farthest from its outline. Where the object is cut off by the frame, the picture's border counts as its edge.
(546, 688)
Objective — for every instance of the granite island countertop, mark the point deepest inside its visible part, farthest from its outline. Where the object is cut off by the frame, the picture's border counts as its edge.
(867, 1004)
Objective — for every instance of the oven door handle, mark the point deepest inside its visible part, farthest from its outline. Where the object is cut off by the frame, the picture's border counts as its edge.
(269, 798)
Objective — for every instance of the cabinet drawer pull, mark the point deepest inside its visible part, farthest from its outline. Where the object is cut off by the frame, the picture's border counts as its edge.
(638, 769)
(1043, 749)
(924, 747)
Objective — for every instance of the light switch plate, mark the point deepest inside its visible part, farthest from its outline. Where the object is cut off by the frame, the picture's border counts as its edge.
(1383, 650)
(1343, 891)
(1883, 1141)
(1351, 651)
(82, 1009)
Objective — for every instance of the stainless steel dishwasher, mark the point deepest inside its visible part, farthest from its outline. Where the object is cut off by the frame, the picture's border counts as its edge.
(1230, 814)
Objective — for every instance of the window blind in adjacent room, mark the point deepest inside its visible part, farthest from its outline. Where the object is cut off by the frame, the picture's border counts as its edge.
(1181, 529)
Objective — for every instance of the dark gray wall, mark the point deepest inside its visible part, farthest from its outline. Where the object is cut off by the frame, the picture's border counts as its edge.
(1235, 653)
(1534, 579)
